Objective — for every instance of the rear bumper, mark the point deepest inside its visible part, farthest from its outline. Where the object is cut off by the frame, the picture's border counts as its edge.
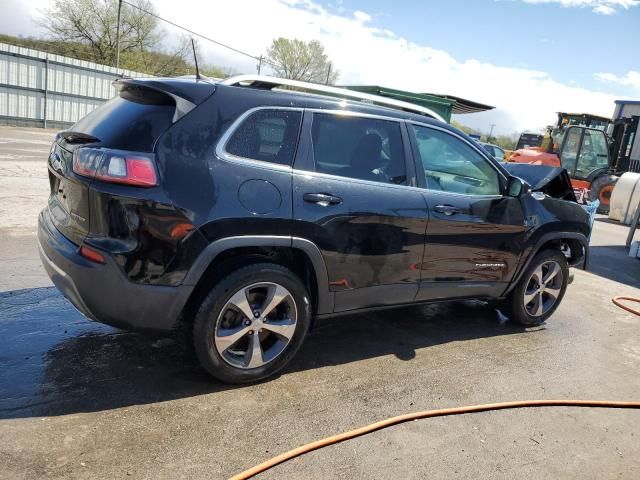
(102, 292)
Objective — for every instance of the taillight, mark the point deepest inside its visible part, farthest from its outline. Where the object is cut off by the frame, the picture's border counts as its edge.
(116, 166)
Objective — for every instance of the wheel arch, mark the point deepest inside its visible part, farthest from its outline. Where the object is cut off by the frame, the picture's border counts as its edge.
(302, 256)
(554, 241)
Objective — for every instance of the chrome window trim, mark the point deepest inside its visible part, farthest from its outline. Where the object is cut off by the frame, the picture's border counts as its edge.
(474, 147)
(221, 151)
(351, 113)
(329, 176)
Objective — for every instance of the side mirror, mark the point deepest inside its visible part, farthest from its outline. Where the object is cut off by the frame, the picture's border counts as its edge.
(516, 187)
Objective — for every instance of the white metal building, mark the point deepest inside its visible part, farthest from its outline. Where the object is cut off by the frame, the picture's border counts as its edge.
(628, 109)
(43, 89)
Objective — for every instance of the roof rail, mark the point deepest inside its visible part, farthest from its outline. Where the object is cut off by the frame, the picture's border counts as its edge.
(265, 82)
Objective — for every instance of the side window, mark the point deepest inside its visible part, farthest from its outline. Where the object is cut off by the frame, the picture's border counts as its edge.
(267, 135)
(358, 147)
(594, 153)
(451, 165)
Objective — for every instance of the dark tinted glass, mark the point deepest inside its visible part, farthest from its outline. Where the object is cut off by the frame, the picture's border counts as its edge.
(355, 147)
(267, 135)
(132, 121)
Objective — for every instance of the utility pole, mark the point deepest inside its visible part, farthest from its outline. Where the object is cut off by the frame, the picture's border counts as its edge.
(328, 74)
(491, 133)
(259, 64)
(118, 35)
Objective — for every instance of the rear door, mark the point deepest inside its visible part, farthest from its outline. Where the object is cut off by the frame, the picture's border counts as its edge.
(475, 233)
(354, 197)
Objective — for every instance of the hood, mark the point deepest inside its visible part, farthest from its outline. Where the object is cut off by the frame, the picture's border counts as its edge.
(553, 181)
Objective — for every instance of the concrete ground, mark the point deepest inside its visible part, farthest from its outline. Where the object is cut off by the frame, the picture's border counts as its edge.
(82, 400)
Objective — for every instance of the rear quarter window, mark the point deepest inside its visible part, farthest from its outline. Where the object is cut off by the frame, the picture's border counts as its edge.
(267, 135)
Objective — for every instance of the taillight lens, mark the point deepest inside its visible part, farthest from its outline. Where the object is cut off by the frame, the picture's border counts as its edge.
(116, 166)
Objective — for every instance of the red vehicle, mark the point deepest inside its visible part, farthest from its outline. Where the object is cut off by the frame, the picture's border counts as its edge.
(579, 144)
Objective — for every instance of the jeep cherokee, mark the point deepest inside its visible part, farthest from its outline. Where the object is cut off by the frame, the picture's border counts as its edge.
(243, 210)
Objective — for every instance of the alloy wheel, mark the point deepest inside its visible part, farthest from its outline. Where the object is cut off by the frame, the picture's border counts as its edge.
(543, 288)
(255, 325)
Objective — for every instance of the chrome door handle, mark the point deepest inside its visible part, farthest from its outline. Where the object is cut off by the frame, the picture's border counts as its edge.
(446, 209)
(324, 199)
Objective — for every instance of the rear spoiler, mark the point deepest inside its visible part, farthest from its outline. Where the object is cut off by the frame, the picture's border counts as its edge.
(186, 94)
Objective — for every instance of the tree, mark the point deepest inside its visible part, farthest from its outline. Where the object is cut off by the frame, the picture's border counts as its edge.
(506, 142)
(215, 71)
(160, 63)
(299, 60)
(90, 26)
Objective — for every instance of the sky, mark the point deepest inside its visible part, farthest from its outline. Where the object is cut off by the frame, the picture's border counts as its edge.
(528, 58)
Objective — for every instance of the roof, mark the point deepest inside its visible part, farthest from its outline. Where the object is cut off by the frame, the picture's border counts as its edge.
(627, 102)
(463, 105)
(389, 101)
(446, 105)
(441, 105)
(585, 115)
(295, 99)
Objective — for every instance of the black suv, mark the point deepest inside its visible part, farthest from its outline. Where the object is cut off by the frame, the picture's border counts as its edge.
(244, 210)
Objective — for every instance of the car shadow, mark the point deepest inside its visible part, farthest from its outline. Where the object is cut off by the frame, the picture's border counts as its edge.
(57, 362)
(613, 262)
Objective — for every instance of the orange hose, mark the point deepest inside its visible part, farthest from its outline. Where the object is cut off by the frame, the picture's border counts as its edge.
(325, 442)
(616, 301)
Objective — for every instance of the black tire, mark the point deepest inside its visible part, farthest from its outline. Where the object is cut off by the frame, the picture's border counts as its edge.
(209, 315)
(515, 306)
(601, 189)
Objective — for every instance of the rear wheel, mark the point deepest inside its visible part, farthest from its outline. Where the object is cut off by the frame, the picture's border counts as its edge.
(601, 189)
(252, 323)
(540, 289)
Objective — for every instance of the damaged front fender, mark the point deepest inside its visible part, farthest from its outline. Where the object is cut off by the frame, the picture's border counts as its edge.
(552, 181)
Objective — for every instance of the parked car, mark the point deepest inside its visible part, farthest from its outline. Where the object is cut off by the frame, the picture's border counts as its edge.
(494, 150)
(245, 212)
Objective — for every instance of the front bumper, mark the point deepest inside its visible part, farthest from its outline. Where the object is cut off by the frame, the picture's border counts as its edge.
(102, 292)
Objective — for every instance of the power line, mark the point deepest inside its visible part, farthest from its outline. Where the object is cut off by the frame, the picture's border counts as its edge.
(192, 32)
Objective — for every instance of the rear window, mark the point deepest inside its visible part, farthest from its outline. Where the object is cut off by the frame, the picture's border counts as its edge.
(134, 120)
(267, 135)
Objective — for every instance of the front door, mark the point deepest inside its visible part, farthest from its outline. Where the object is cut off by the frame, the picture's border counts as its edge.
(352, 196)
(475, 233)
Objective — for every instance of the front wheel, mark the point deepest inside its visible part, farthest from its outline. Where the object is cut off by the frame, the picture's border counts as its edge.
(252, 323)
(540, 290)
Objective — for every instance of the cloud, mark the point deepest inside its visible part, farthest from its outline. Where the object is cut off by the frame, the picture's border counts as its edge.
(604, 10)
(15, 16)
(602, 7)
(362, 17)
(629, 79)
(366, 53)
